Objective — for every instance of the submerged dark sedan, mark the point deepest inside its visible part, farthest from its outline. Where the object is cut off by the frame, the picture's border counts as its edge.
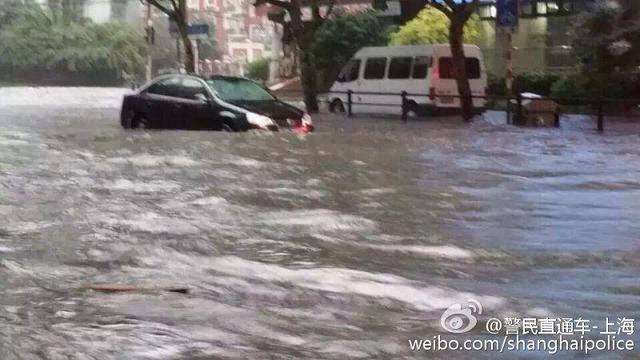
(216, 103)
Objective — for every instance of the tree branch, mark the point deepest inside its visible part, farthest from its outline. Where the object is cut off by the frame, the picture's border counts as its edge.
(445, 10)
(279, 3)
(449, 3)
(164, 9)
(330, 9)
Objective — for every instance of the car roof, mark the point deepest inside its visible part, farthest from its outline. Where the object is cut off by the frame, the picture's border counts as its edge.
(189, 75)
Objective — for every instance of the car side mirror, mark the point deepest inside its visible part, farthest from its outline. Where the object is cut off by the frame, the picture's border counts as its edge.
(202, 98)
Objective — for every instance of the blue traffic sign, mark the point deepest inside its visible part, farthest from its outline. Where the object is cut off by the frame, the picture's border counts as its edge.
(507, 13)
(194, 29)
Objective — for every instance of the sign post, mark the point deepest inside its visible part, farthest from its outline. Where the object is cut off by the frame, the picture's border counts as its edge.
(196, 32)
(507, 21)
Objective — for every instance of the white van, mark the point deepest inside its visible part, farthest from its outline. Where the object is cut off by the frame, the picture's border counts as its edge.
(425, 70)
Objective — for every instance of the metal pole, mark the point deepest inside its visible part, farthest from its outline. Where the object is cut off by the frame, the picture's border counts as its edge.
(404, 105)
(508, 55)
(149, 25)
(519, 120)
(600, 115)
(509, 122)
(196, 56)
(349, 102)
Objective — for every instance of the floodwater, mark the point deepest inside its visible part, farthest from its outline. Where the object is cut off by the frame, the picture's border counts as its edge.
(343, 244)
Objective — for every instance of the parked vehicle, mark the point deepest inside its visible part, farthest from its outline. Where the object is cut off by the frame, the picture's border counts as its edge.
(426, 70)
(216, 103)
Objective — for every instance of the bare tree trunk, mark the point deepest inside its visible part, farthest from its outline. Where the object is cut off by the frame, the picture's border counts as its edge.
(460, 66)
(309, 81)
(183, 28)
(307, 68)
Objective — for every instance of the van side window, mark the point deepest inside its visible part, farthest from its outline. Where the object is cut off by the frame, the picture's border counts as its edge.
(400, 68)
(350, 71)
(446, 68)
(421, 67)
(375, 68)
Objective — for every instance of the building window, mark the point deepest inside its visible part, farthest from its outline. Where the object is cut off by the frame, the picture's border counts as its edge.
(537, 8)
(529, 8)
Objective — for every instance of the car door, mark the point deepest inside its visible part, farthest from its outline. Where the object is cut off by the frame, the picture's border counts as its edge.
(160, 103)
(197, 105)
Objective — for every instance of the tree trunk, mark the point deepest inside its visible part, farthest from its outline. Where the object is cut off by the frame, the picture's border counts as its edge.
(308, 66)
(309, 80)
(460, 68)
(183, 28)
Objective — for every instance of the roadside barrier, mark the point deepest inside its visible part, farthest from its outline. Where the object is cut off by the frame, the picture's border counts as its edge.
(520, 109)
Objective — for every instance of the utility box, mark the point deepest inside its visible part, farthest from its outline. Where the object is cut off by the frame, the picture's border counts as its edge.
(537, 111)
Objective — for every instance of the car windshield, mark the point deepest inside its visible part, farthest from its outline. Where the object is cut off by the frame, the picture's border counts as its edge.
(231, 89)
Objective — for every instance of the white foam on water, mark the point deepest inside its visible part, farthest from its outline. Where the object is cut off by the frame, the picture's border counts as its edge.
(350, 281)
(153, 223)
(318, 220)
(15, 134)
(297, 191)
(26, 227)
(210, 201)
(4, 249)
(443, 251)
(285, 244)
(347, 281)
(252, 163)
(449, 252)
(142, 187)
(61, 97)
(148, 160)
(13, 142)
(377, 191)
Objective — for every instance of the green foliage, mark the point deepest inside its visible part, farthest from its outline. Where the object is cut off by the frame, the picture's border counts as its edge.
(432, 27)
(607, 36)
(39, 39)
(611, 86)
(339, 38)
(536, 82)
(258, 69)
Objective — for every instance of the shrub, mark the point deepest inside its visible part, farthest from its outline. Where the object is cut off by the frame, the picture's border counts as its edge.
(431, 26)
(258, 69)
(339, 38)
(537, 83)
(611, 86)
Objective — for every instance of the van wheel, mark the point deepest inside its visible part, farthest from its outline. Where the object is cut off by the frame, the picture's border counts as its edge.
(336, 106)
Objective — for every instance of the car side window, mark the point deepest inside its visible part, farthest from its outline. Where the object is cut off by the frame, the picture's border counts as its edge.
(166, 87)
(191, 87)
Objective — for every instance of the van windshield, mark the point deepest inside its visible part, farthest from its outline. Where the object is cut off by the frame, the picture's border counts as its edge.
(446, 68)
(237, 89)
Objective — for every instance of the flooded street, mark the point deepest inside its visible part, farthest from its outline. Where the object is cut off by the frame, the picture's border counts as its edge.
(342, 244)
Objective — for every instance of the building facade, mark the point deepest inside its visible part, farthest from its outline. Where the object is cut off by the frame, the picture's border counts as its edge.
(242, 32)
